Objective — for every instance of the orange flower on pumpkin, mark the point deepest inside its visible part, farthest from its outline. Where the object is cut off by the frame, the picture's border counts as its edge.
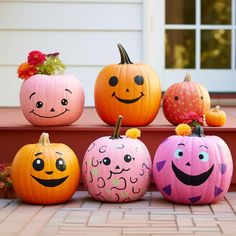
(183, 130)
(26, 70)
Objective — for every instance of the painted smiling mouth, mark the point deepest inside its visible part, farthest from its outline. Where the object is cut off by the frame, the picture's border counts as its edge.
(49, 116)
(50, 182)
(127, 101)
(117, 173)
(193, 180)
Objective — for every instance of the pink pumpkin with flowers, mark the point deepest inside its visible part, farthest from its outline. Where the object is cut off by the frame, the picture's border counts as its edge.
(117, 168)
(47, 97)
(193, 169)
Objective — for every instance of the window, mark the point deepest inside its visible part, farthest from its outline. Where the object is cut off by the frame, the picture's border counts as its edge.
(196, 36)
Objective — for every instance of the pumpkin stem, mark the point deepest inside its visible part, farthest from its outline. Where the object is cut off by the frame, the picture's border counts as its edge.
(116, 132)
(188, 77)
(123, 55)
(217, 108)
(198, 131)
(44, 139)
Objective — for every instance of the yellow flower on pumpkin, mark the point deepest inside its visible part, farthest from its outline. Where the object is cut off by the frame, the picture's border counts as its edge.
(183, 130)
(133, 133)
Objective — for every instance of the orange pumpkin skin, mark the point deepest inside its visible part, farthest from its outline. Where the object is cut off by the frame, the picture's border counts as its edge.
(184, 97)
(45, 173)
(215, 117)
(127, 89)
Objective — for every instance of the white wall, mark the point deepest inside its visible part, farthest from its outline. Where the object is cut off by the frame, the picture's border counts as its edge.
(84, 32)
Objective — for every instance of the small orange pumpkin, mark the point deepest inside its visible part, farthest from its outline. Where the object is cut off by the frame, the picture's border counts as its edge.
(127, 89)
(45, 173)
(215, 117)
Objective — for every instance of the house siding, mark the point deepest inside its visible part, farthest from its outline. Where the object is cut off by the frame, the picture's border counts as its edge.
(84, 32)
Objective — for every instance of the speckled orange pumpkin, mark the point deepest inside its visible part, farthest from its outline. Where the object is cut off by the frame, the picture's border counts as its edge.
(185, 97)
(127, 89)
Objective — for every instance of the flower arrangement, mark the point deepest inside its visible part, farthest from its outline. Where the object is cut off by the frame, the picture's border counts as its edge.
(193, 119)
(5, 178)
(40, 63)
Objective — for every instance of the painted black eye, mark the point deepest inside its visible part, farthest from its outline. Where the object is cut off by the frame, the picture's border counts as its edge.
(179, 153)
(39, 104)
(203, 156)
(127, 158)
(106, 161)
(60, 164)
(38, 164)
(113, 81)
(176, 98)
(139, 80)
(64, 102)
(201, 97)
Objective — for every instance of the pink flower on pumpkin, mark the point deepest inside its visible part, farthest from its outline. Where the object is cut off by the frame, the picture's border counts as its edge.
(192, 118)
(36, 58)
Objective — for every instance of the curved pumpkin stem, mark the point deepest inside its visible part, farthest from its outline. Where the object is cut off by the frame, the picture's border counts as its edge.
(198, 131)
(116, 132)
(124, 58)
(188, 77)
(217, 108)
(44, 139)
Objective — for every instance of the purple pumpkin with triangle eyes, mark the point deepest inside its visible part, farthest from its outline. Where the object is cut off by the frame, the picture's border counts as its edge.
(194, 169)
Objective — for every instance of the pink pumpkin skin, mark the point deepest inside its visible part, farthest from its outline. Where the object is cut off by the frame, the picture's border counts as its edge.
(207, 159)
(117, 170)
(52, 100)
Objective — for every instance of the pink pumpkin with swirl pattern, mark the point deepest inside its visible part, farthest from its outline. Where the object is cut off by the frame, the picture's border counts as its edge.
(194, 169)
(117, 168)
(52, 100)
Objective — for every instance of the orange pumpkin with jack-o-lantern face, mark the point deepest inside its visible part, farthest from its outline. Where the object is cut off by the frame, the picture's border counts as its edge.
(127, 89)
(45, 173)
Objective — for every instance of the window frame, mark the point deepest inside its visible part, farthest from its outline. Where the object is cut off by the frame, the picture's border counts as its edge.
(154, 49)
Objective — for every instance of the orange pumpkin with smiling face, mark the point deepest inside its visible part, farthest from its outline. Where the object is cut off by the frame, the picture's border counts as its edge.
(45, 173)
(127, 89)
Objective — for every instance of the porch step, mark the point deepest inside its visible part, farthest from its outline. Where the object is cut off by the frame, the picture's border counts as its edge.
(15, 132)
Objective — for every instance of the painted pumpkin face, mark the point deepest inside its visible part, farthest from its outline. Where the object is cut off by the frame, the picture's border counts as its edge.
(52, 100)
(117, 169)
(132, 90)
(193, 170)
(185, 97)
(45, 173)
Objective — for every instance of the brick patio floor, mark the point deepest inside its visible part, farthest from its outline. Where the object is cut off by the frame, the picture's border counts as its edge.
(150, 216)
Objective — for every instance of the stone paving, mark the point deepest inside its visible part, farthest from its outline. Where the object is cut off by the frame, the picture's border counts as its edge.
(150, 216)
